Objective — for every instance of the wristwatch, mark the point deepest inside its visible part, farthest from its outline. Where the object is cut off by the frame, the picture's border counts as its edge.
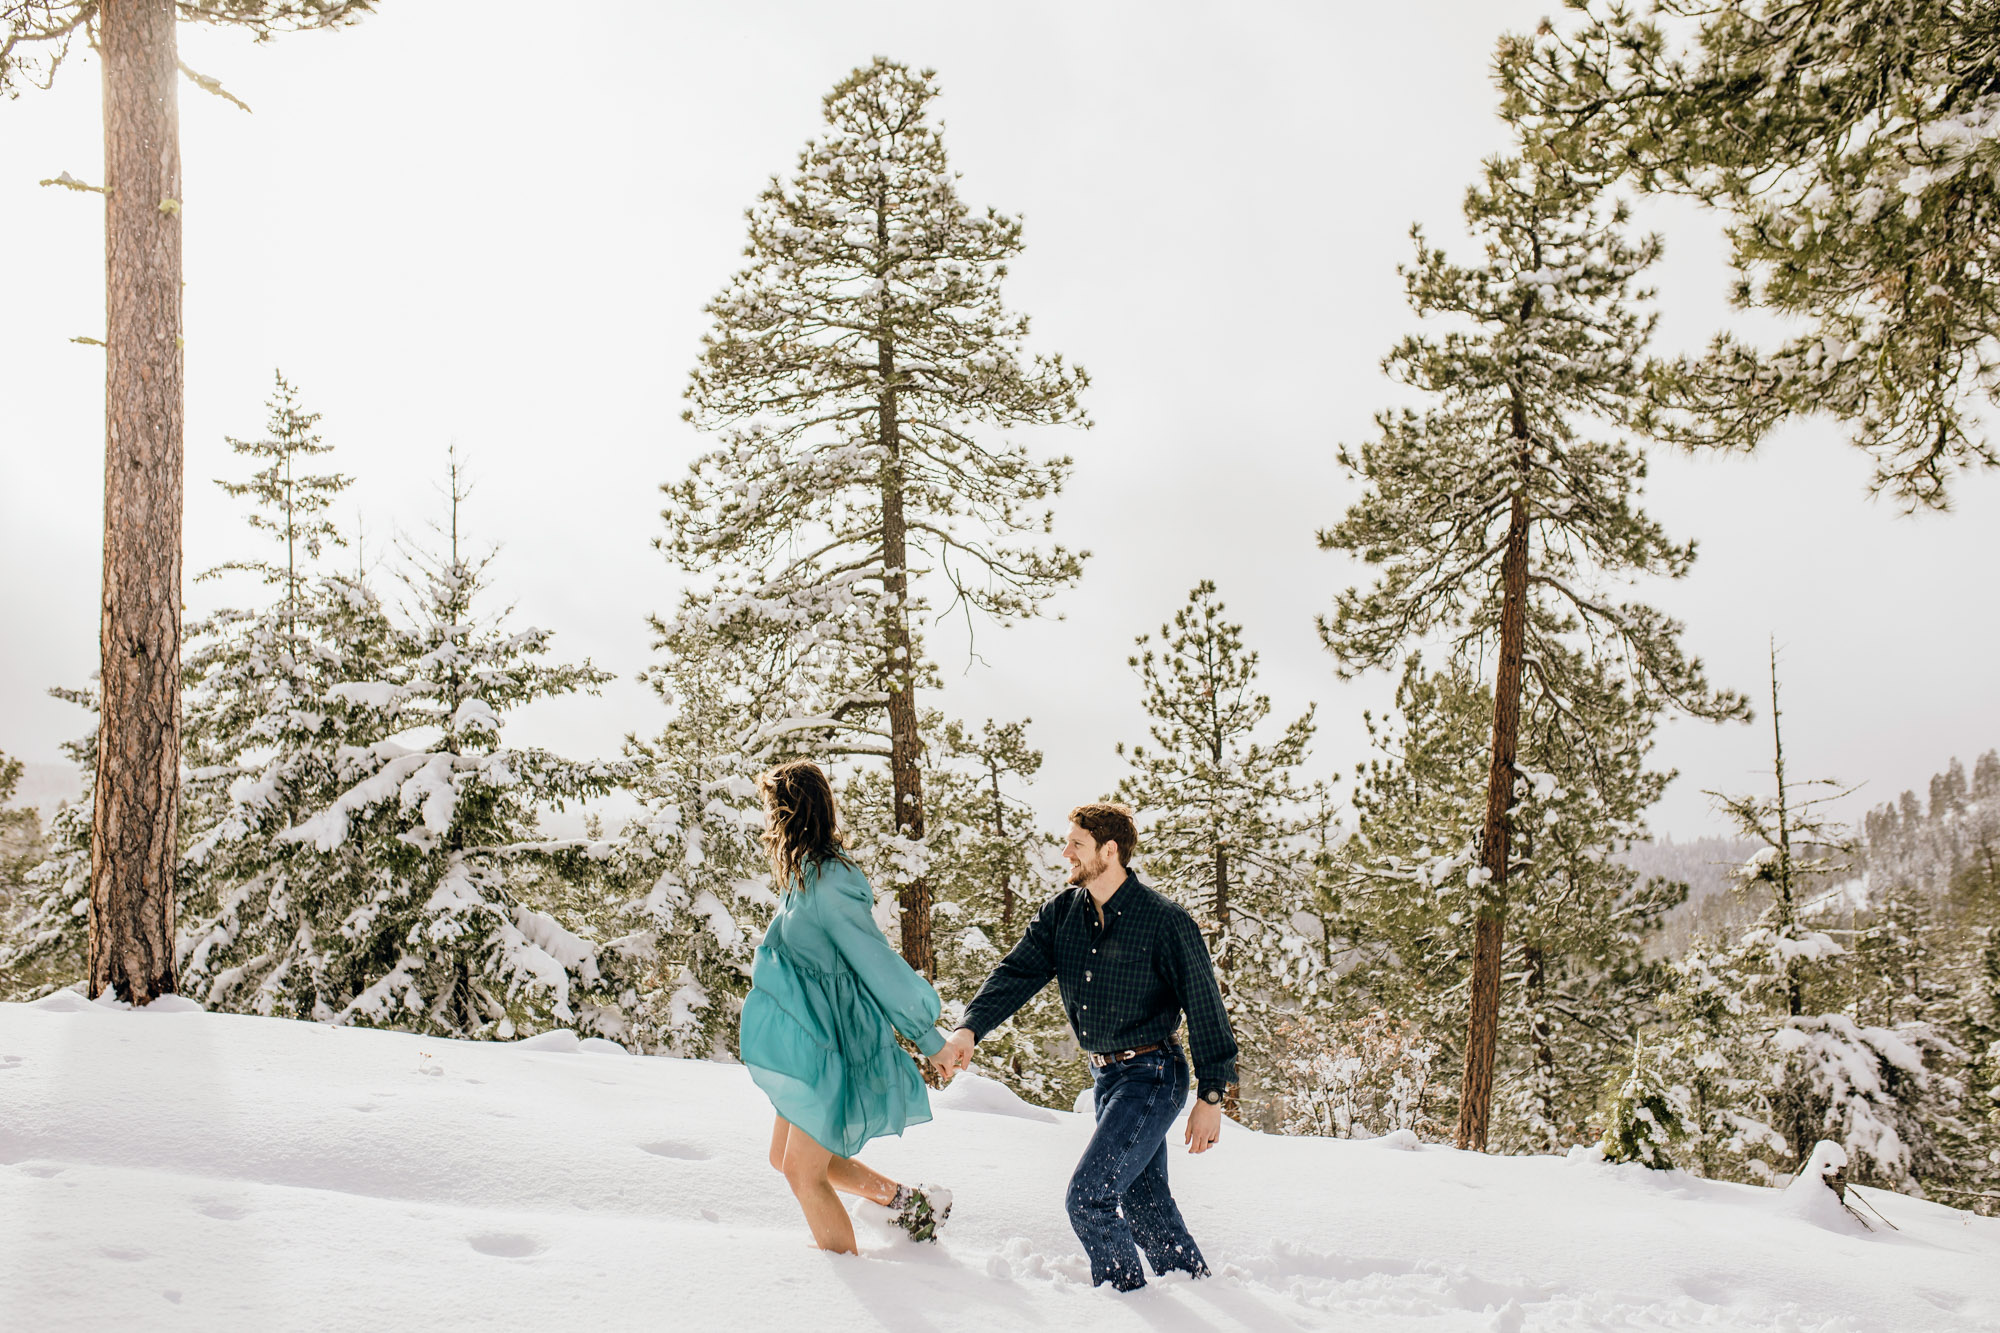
(1212, 1097)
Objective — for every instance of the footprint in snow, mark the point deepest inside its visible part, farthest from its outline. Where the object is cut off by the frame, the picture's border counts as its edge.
(9, 1061)
(129, 1253)
(686, 1152)
(224, 1212)
(505, 1244)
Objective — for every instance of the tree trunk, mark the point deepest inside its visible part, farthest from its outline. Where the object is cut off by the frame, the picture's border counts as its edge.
(134, 827)
(1232, 1095)
(1000, 833)
(1536, 984)
(1475, 1100)
(905, 745)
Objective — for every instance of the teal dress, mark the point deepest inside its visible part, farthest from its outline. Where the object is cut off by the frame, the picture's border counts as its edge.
(827, 997)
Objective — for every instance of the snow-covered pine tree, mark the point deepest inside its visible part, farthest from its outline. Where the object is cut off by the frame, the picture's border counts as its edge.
(853, 364)
(20, 842)
(47, 945)
(423, 849)
(1849, 144)
(264, 729)
(1764, 1037)
(998, 872)
(691, 885)
(1581, 919)
(1223, 816)
(138, 842)
(1496, 523)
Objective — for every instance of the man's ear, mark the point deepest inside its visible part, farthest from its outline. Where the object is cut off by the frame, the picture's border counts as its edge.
(1111, 848)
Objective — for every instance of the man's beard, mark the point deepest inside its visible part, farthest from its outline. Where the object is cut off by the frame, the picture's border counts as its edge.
(1085, 871)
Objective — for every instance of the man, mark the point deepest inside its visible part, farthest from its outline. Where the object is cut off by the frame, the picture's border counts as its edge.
(1128, 962)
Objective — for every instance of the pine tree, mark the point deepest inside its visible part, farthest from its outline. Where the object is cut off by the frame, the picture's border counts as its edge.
(425, 847)
(20, 838)
(1582, 920)
(1762, 1035)
(47, 945)
(136, 835)
(993, 871)
(267, 721)
(1224, 818)
(1847, 144)
(692, 885)
(1496, 522)
(852, 362)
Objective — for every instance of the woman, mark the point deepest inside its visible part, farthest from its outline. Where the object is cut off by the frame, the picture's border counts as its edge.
(827, 997)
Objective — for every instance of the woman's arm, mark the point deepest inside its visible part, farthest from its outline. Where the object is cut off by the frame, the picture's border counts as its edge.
(905, 996)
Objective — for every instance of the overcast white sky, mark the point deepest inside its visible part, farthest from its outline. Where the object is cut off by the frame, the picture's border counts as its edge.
(495, 223)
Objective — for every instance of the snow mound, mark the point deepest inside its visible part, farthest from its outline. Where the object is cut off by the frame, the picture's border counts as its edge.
(224, 1171)
(1811, 1197)
(62, 1002)
(1403, 1140)
(560, 1040)
(975, 1092)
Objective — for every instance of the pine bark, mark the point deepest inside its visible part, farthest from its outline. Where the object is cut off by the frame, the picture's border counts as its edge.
(1475, 1102)
(905, 744)
(134, 827)
(1233, 1094)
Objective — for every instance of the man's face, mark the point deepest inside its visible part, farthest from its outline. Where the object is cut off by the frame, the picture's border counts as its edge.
(1087, 859)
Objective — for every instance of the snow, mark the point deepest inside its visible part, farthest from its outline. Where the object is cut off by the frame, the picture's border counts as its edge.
(167, 1168)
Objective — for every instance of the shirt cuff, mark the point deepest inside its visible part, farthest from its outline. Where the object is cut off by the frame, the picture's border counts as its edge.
(930, 1041)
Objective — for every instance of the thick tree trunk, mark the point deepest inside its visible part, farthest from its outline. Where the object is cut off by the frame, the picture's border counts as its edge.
(1475, 1101)
(905, 744)
(134, 829)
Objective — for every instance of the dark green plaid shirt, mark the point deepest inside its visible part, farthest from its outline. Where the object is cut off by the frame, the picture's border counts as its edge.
(1124, 983)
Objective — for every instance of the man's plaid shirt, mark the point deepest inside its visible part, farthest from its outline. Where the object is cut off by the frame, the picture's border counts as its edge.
(1124, 983)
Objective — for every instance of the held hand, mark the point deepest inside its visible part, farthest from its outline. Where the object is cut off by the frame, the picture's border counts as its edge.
(955, 1055)
(1204, 1126)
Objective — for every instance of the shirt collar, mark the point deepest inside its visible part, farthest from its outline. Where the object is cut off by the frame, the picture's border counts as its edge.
(1112, 904)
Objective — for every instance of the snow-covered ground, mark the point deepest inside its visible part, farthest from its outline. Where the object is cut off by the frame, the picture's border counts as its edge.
(170, 1169)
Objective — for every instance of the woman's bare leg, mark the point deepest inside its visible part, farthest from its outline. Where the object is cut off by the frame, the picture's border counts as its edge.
(849, 1175)
(806, 1172)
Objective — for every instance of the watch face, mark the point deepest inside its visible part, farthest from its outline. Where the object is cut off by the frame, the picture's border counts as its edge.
(1211, 1097)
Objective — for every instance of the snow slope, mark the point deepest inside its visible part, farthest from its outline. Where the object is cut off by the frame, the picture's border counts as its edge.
(169, 1169)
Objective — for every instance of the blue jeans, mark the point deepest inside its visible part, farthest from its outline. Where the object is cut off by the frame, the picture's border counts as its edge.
(1119, 1193)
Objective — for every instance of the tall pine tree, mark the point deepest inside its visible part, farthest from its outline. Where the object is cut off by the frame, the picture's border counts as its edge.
(1223, 814)
(858, 369)
(1496, 522)
(136, 838)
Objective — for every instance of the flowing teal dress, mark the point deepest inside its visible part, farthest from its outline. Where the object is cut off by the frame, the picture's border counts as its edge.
(827, 997)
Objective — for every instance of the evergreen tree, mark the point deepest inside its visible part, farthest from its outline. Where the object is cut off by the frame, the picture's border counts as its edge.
(47, 944)
(1582, 919)
(1848, 144)
(424, 849)
(993, 871)
(136, 834)
(1760, 1057)
(1496, 522)
(852, 362)
(20, 840)
(1224, 818)
(267, 722)
(692, 884)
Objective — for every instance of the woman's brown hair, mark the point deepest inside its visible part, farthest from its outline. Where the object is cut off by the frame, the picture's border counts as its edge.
(803, 828)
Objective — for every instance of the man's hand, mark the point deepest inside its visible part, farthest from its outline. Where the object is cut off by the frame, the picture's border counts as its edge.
(1204, 1126)
(955, 1055)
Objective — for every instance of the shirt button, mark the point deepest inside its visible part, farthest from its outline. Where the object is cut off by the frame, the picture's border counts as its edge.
(1086, 976)
(1082, 1007)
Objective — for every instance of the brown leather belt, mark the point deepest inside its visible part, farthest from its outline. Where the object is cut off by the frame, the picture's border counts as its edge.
(1115, 1057)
